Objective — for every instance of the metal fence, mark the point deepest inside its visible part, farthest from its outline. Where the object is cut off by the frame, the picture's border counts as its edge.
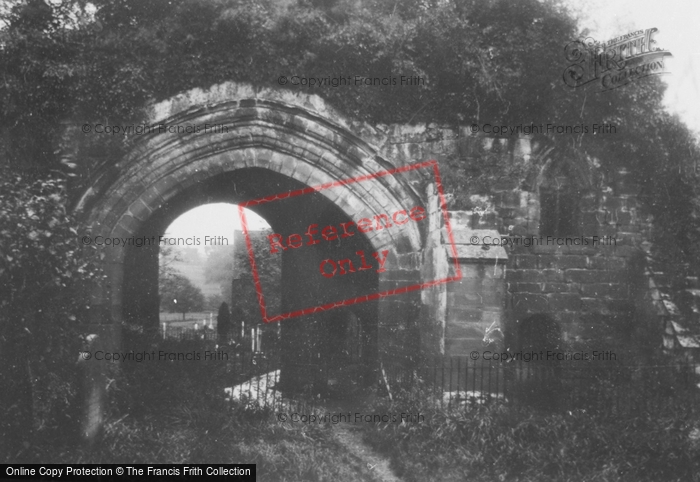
(210, 338)
(459, 383)
(203, 316)
(185, 333)
(600, 387)
(255, 383)
(604, 387)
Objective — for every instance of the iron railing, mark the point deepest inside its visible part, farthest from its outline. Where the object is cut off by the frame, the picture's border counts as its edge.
(601, 387)
(457, 383)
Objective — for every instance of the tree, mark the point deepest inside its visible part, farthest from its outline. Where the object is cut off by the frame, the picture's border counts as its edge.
(218, 267)
(226, 263)
(496, 61)
(223, 322)
(179, 295)
(45, 276)
(245, 306)
(167, 258)
(213, 302)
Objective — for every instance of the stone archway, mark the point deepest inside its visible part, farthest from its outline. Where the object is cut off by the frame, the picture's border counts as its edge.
(273, 141)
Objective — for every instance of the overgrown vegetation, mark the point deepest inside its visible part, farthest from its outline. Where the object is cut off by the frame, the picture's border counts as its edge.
(179, 295)
(506, 442)
(499, 61)
(45, 279)
(174, 412)
(65, 64)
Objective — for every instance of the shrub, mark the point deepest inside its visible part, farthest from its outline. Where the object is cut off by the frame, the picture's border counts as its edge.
(44, 274)
(502, 442)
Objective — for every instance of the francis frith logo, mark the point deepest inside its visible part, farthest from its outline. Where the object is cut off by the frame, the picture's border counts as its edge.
(615, 63)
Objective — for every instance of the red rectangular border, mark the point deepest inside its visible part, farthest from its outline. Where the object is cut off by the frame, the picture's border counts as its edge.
(359, 299)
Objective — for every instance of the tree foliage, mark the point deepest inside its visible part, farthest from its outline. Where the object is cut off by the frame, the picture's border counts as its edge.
(68, 63)
(168, 257)
(496, 61)
(45, 278)
(231, 268)
(218, 268)
(179, 295)
(213, 302)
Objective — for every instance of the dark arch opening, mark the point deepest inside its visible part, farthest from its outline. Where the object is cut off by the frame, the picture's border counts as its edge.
(538, 332)
(310, 339)
(537, 373)
(560, 192)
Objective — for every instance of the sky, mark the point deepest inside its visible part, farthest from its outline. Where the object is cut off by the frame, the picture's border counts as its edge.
(677, 21)
(218, 219)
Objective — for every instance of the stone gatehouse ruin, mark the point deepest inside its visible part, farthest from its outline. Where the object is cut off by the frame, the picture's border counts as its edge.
(596, 287)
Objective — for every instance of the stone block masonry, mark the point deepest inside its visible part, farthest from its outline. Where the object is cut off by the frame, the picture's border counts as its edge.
(476, 303)
(576, 285)
(283, 139)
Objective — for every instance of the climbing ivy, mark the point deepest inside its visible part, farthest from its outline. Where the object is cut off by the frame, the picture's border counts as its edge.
(496, 61)
(71, 62)
(45, 278)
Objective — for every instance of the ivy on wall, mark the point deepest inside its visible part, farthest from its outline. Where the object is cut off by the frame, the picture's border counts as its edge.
(496, 61)
(68, 63)
(45, 279)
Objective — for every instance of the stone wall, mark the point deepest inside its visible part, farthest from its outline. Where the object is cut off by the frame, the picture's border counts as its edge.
(285, 136)
(475, 303)
(588, 290)
(585, 287)
(279, 142)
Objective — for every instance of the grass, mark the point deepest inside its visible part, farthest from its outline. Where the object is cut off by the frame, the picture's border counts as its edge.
(504, 443)
(175, 413)
(281, 452)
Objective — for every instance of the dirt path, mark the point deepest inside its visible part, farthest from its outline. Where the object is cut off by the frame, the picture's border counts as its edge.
(349, 435)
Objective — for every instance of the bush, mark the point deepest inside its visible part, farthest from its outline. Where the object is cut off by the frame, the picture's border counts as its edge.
(158, 387)
(501, 442)
(44, 276)
(175, 413)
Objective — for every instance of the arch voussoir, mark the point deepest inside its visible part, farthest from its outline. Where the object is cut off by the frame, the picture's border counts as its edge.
(292, 134)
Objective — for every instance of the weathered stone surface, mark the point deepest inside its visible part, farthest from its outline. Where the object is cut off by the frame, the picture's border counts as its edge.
(606, 263)
(529, 303)
(536, 275)
(562, 262)
(563, 302)
(611, 290)
(302, 137)
(524, 261)
(594, 276)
